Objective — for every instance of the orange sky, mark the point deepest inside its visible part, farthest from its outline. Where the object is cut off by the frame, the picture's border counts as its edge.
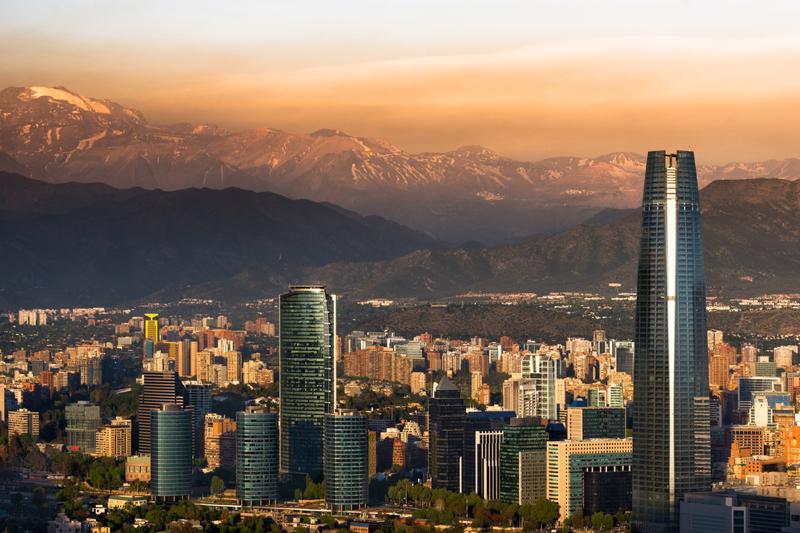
(527, 79)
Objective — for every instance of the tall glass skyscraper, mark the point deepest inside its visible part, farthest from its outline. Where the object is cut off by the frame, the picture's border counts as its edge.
(671, 427)
(197, 395)
(83, 421)
(256, 456)
(346, 461)
(447, 421)
(159, 388)
(307, 346)
(171, 452)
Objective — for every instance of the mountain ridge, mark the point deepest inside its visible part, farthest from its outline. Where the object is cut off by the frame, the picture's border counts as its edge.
(470, 193)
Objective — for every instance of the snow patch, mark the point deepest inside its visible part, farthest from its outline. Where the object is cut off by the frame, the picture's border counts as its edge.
(86, 144)
(60, 94)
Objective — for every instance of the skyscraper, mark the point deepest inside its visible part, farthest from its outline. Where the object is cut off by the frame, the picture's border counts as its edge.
(522, 461)
(446, 412)
(346, 461)
(307, 325)
(151, 331)
(171, 452)
(256, 456)
(159, 388)
(197, 395)
(671, 454)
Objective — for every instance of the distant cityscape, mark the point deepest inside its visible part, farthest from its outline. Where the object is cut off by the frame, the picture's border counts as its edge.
(281, 418)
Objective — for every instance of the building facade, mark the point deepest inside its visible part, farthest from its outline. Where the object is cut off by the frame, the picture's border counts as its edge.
(159, 388)
(671, 410)
(83, 421)
(346, 461)
(522, 462)
(307, 353)
(447, 419)
(256, 456)
(171, 453)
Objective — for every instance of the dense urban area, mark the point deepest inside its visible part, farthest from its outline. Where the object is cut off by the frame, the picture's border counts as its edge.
(168, 417)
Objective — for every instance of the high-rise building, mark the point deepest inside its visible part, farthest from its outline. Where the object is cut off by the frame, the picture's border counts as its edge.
(570, 462)
(256, 456)
(615, 396)
(732, 512)
(219, 441)
(116, 439)
(595, 423)
(541, 370)
(23, 422)
(158, 388)
(197, 395)
(487, 464)
(446, 413)
(346, 461)
(623, 353)
(151, 330)
(307, 351)
(83, 421)
(750, 386)
(522, 462)
(671, 429)
(171, 452)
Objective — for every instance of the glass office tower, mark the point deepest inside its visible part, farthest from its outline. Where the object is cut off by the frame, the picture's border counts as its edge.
(83, 421)
(197, 395)
(346, 461)
(523, 472)
(159, 388)
(671, 433)
(307, 347)
(447, 421)
(171, 452)
(256, 456)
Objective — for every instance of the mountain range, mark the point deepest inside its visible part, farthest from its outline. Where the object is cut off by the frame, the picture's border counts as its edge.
(74, 244)
(91, 244)
(468, 194)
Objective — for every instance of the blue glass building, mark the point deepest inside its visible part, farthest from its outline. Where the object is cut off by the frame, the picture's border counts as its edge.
(256, 456)
(307, 350)
(171, 452)
(671, 426)
(346, 461)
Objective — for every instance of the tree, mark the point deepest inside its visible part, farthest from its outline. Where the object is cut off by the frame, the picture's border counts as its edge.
(217, 485)
(601, 521)
(541, 513)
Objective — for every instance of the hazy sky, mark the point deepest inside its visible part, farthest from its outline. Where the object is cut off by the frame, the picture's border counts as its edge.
(529, 79)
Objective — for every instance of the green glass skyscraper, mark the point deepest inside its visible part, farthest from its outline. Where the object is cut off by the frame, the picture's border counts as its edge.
(346, 461)
(83, 421)
(256, 456)
(171, 452)
(307, 346)
(522, 461)
(671, 427)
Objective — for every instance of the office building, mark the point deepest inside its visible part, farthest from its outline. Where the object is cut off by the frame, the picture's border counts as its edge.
(749, 386)
(480, 464)
(116, 439)
(171, 452)
(487, 464)
(220, 441)
(307, 351)
(137, 468)
(158, 388)
(346, 461)
(569, 462)
(732, 512)
(151, 330)
(256, 456)
(446, 414)
(671, 431)
(197, 396)
(542, 371)
(83, 421)
(615, 396)
(23, 422)
(595, 423)
(623, 353)
(522, 461)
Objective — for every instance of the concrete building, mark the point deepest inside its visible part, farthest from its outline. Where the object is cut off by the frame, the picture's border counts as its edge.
(569, 461)
(116, 439)
(23, 422)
